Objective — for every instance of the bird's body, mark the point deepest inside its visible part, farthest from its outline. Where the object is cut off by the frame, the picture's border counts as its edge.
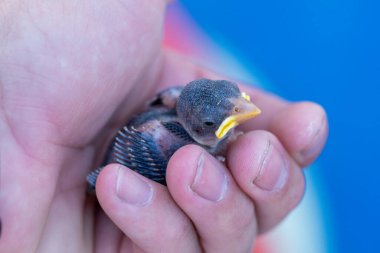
(146, 143)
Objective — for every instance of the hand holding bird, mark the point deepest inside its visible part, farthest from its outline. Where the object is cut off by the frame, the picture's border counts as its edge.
(71, 73)
(204, 112)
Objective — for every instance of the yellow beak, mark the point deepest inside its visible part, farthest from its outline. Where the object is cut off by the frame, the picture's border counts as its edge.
(244, 110)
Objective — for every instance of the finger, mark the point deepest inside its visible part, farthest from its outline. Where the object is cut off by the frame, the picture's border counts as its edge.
(266, 173)
(303, 129)
(107, 234)
(144, 211)
(207, 193)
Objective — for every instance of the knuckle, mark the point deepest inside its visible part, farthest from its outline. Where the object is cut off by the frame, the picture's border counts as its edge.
(182, 230)
(238, 220)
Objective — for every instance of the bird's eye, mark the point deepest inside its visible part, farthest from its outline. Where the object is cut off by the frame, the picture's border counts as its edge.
(209, 123)
(236, 109)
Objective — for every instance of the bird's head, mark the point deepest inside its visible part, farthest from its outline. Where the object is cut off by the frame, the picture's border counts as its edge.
(210, 109)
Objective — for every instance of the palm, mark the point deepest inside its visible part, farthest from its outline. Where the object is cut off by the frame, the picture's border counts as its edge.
(70, 74)
(64, 89)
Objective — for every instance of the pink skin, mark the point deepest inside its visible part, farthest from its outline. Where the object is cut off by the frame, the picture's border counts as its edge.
(71, 72)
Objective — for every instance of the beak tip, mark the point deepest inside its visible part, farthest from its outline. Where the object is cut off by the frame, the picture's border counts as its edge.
(258, 111)
(250, 111)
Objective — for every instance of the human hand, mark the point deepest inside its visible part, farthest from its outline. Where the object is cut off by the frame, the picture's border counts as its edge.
(71, 74)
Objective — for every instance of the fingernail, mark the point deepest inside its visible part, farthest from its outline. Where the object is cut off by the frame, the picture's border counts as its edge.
(273, 169)
(316, 144)
(210, 181)
(131, 189)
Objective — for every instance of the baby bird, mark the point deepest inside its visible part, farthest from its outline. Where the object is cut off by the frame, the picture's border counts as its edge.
(204, 112)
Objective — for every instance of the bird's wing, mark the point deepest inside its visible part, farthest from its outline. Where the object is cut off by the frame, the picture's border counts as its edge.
(166, 98)
(91, 179)
(177, 129)
(138, 152)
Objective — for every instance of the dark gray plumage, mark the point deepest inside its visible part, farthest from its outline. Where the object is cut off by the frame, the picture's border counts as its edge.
(204, 112)
(202, 107)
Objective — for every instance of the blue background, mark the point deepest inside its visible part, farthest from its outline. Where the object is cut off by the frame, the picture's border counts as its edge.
(326, 51)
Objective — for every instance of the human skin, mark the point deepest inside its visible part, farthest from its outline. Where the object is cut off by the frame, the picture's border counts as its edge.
(71, 73)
